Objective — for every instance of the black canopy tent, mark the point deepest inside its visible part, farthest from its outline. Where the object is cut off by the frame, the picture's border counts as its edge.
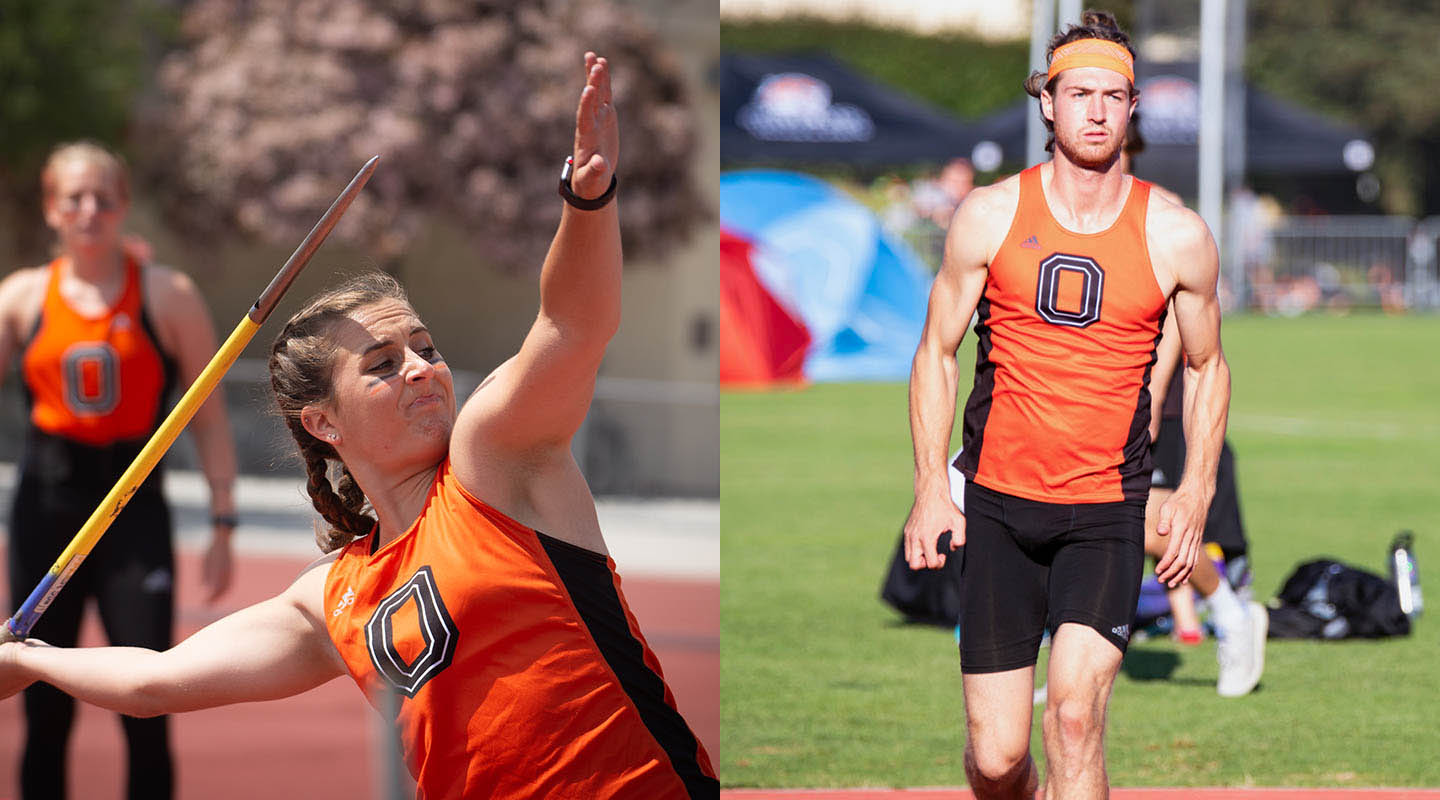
(810, 109)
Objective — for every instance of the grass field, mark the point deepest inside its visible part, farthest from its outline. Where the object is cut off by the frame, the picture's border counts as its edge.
(1335, 423)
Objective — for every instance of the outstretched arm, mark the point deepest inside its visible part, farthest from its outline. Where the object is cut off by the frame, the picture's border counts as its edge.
(1188, 251)
(535, 401)
(270, 650)
(934, 379)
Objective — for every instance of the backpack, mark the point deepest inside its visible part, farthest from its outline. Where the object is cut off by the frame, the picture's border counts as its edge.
(1325, 599)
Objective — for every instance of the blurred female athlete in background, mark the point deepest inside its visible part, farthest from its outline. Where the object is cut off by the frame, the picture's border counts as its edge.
(101, 337)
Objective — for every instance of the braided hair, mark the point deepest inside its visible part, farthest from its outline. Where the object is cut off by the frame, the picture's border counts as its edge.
(301, 365)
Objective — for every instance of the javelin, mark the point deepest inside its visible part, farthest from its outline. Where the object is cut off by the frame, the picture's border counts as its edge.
(18, 626)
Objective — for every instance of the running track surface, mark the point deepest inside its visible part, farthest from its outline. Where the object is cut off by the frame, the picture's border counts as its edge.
(1117, 794)
(325, 743)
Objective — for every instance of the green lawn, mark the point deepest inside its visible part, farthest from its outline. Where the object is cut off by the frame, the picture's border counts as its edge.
(1335, 422)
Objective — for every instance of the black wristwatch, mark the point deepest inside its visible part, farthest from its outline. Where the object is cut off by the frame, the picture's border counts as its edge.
(584, 204)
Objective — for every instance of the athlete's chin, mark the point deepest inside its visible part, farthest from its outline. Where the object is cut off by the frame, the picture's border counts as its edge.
(1091, 155)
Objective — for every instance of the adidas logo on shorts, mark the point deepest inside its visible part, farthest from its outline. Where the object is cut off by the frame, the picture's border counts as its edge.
(1123, 631)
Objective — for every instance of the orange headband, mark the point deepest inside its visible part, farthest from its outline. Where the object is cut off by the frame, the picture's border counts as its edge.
(1092, 53)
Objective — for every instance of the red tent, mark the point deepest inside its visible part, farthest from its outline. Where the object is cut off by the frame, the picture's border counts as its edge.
(761, 343)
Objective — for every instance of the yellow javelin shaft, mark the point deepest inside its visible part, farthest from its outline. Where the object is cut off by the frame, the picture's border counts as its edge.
(158, 445)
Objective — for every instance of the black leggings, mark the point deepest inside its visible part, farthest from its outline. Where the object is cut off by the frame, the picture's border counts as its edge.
(131, 574)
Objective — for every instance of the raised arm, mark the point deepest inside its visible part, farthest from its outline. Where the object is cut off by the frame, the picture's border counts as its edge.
(537, 399)
(270, 650)
(934, 375)
(190, 338)
(1183, 247)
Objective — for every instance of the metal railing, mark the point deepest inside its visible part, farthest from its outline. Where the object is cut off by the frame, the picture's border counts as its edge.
(1310, 263)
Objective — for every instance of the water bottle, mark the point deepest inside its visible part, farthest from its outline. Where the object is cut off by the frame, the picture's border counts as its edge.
(1403, 573)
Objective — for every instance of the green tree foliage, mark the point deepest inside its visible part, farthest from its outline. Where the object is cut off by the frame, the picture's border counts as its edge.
(1373, 64)
(963, 74)
(69, 69)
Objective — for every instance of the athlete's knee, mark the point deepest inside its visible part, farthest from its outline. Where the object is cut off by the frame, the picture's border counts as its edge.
(1073, 721)
(995, 761)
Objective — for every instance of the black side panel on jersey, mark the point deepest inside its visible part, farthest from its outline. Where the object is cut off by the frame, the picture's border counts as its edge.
(1136, 468)
(977, 407)
(591, 585)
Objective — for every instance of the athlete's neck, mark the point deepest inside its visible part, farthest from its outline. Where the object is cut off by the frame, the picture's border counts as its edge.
(99, 268)
(397, 499)
(1084, 199)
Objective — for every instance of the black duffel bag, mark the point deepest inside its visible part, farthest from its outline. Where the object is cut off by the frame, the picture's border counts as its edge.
(1325, 599)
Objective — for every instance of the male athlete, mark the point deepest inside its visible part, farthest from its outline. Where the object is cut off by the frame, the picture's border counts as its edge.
(1070, 266)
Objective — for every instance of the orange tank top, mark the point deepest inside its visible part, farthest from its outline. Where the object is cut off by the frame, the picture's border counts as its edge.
(95, 380)
(1067, 328)
(519, 671)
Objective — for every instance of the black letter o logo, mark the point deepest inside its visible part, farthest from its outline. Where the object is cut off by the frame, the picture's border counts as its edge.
(1092, 289)
(436, 627)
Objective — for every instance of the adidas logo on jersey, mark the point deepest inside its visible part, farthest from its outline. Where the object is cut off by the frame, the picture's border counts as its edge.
(1123, 631)
(1031, 243)
(346, 600)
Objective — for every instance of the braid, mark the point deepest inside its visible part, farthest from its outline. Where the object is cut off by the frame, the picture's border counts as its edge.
(342, 511)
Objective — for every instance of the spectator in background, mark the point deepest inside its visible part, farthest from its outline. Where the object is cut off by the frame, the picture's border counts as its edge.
(937, 198)
(102, 335)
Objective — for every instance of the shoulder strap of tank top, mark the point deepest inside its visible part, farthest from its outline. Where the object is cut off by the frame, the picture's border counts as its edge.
(1030, 185)
(1139, 200)
(169, 363)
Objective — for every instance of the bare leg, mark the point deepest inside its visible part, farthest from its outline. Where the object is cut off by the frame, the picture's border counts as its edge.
(997, 743)
(1083, 665)
(1182, 608)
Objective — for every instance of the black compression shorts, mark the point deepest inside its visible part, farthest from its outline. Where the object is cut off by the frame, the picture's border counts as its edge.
(1029, 565)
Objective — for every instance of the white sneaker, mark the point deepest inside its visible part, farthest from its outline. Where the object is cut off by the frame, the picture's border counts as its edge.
(1242, 653)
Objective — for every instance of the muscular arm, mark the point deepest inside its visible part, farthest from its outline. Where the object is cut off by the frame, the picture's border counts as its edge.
(270, 650)
(934, 375)
(531, 405)
(511, 443)
(1185, 250)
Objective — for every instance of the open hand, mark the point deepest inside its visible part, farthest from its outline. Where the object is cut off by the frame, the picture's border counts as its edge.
(597, 132)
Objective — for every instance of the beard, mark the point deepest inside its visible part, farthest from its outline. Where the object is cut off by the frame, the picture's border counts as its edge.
(1088, 155)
